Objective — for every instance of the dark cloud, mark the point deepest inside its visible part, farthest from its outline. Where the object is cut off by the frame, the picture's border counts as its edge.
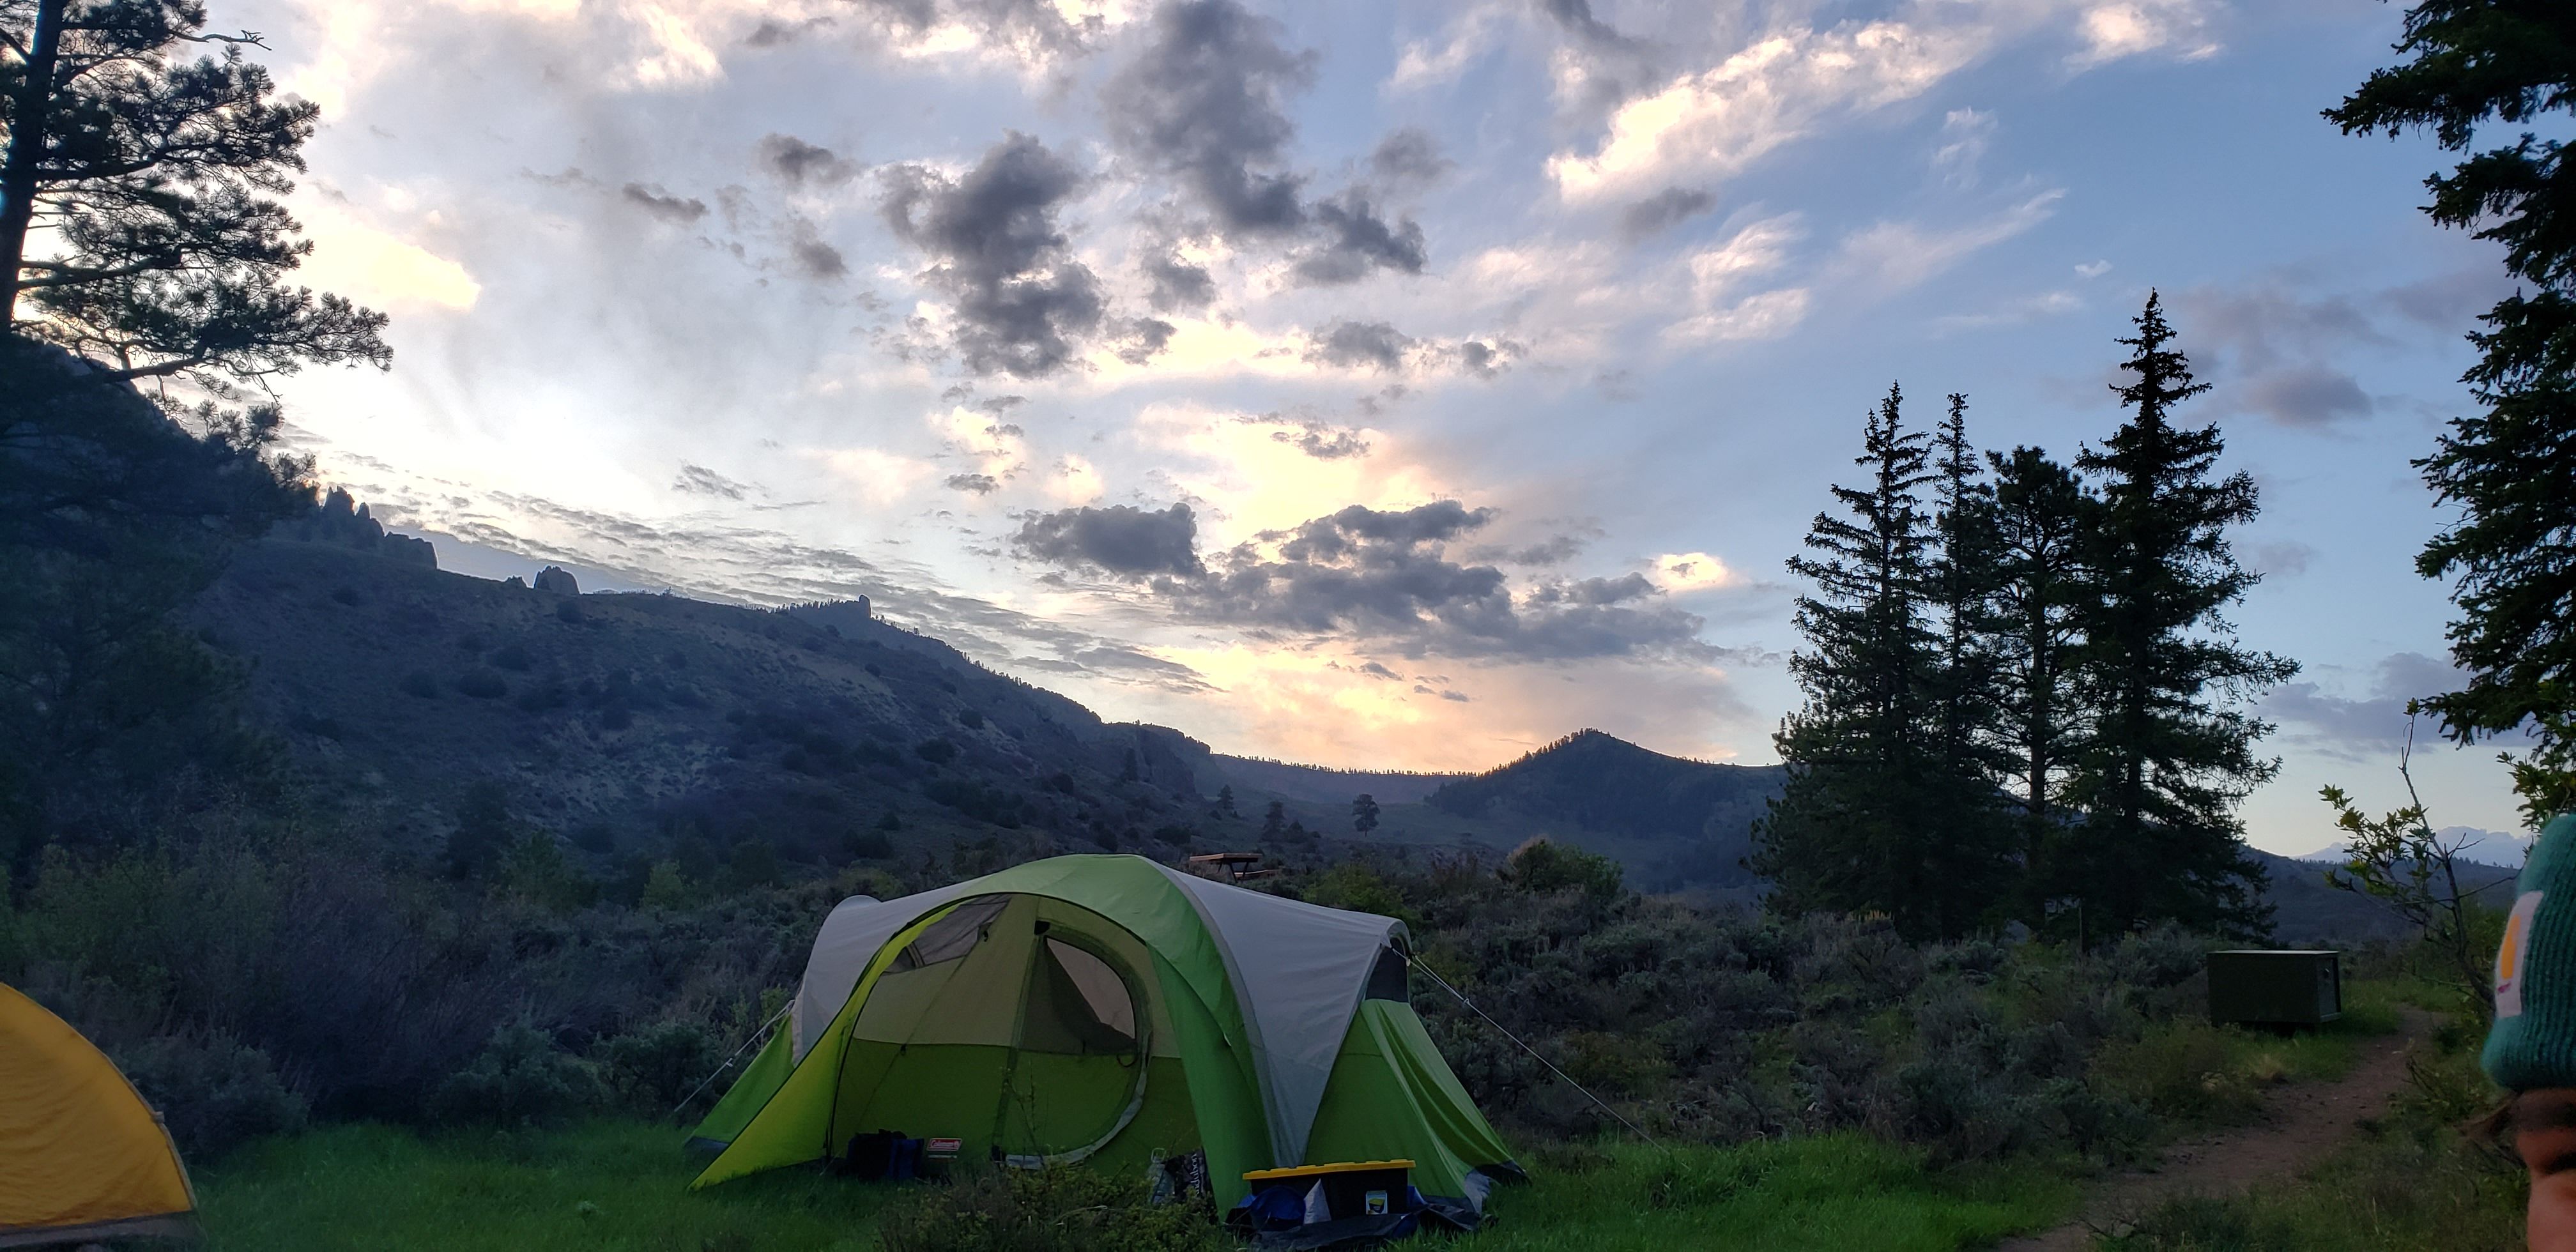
(1324, 443)
(813, 257)
(1457, 696)
(803, 163)
(2372, 726)
(978, 484)
(651, 198)
(1356, 240)
(1486, 360)
(1117, 539)
(1178, 285)
(2306, 395)
(1143, 339)
(1663, 210)
(1385, 576)
(772, 33)
(1023, 304)
(1204, 102)
(698, 480)
(2275, 348)
(1351, 344)
(1377, 669)
(1408, 157)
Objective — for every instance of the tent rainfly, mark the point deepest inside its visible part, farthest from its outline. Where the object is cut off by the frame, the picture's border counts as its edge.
(82, 1157)
(1101, 1008)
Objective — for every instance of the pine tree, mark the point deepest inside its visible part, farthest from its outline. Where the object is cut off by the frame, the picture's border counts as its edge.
(153, 179)
(1364, 814)
(2170, 748)
(1274, 821)
(1845, 833)
(2040, 511)
(2510, 471)
(1973, 845)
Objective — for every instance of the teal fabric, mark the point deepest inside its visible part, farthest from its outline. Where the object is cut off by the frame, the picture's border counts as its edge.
(2533, 1042)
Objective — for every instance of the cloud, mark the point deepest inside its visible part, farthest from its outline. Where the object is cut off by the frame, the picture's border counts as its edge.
(976, 484)
(1408, 156)
(1693, 571)
(2272, 349)
(1663, 210)
(1118, 539)
(2287, 558)
(1421, 65)
(2307, 395)
(1356, 240)
(803, 164)
(1204, 101)
(2093, 269)
(1033, 33)
(1022, 303)
(1598, 65)
(1322, 442)
(1713, 123)
(2370, 726)
(882, 477)
(698, 480)
(1383, 575)
(1891, 256)
(1178, 284)
(1350, 345)
(811, 256)
(2131, 27)
(379, 268)
(1965, 135)
(650, 197)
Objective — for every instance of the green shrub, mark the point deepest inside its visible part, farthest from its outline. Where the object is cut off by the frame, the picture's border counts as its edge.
(652, 1069)
(420, 685)
(2180, 1068)
(935, 750)
(482, 684)
(1543, 865)
(214, 1094)
(521, 1078)
(512, 657)
(1050, 1210)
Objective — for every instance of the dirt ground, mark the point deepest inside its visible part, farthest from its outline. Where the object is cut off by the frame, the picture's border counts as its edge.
(2301, 1123)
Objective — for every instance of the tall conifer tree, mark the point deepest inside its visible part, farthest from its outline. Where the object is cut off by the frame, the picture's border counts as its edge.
(2510, 471)
(2171, 743)
(1971, 832)
(1846, 834)
(2040, 511)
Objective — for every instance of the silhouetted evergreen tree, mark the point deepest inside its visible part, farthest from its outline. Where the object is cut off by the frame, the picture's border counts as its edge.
(2040, 583)
(2510, 471)
(154, 178)
(1974, 845)
(2170, 748)
(1364, 813)
(1274, 821)
(1848, 831)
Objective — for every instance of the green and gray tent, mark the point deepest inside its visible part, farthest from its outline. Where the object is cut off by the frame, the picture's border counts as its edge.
(1099, 1008)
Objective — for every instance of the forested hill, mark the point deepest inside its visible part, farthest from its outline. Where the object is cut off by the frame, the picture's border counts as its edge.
(1601, 782)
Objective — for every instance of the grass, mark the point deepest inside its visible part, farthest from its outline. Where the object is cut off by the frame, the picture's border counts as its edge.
(620, 1185)
(2411, 1183)
(1833, 1193)
(610, 1184)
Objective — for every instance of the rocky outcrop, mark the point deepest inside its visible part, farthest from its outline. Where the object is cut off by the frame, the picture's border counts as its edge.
(341, 520)
(558, 580)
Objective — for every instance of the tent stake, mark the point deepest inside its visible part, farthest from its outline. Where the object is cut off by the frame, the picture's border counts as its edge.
(1561, 1075)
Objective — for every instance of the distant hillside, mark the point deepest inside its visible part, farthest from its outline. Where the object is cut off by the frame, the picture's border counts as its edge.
(630, 721)
(1328, 786)
(2307, 911)
(1675, 823)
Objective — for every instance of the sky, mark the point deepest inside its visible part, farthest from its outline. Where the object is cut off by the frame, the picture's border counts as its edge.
(1388, 385)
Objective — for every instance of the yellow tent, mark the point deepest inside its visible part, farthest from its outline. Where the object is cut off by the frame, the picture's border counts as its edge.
(82, 1157)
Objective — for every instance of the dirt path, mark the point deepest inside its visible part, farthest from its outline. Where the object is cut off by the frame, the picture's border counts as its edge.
(2301, 1123)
